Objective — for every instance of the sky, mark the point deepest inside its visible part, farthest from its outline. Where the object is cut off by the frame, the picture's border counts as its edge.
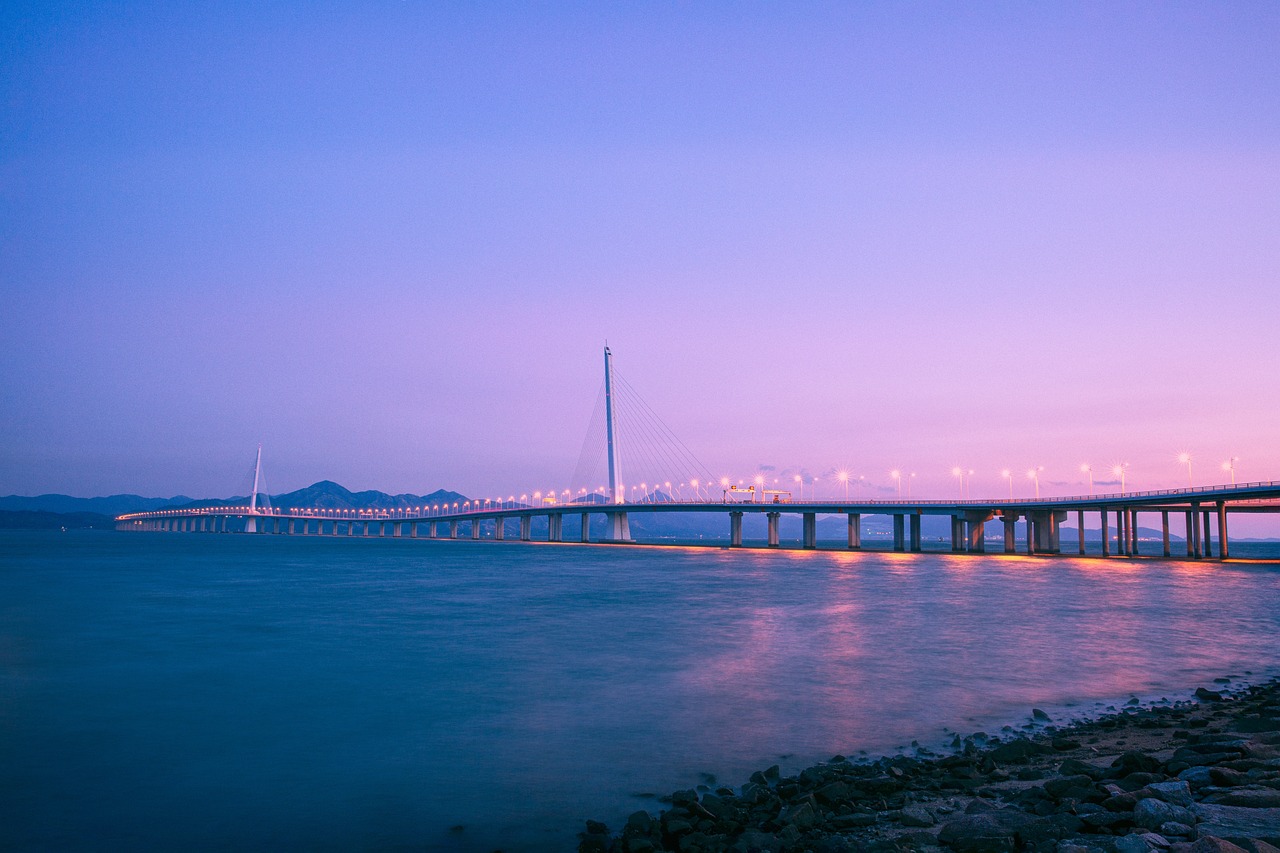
(388, 241)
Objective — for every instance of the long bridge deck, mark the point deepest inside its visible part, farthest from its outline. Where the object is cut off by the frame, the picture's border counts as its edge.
(1202, 510)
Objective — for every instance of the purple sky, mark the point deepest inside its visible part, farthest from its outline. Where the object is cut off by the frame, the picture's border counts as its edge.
(388, 242)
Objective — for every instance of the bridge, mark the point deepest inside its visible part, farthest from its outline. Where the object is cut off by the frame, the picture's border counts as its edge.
(1201, 514)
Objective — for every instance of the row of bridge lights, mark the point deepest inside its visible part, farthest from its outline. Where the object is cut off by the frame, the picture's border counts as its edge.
(701, 491)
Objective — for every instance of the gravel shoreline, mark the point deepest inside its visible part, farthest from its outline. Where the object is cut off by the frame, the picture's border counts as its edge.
(1188, 777)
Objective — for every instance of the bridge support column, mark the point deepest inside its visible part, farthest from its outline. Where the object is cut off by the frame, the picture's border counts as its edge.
(1106, 535)
(453, 529)
(1164, 531)
(413, 530)
(289, 529)
(899, 533)
(1223, 550)
(1193, 530)
(975, 539)
(1133, 531)
(1080, 529)
(735, 529)
(773, 528)
(351, 528)
(1208, 538)
(913, 531)
(1122, 533)
(555, 527)
(586, 527)
(397, 528)
(957, 534)
(475, 528)
(977, 522)
(855, 531)
(526, 528)
(809, 532)
(499, 528)
(1010, 532)
(617, 527)
(1191, 534)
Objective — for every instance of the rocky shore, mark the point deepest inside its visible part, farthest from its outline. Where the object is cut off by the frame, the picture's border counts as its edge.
(1187, 777)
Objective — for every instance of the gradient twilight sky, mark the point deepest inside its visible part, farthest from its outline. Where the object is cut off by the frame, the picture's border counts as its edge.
(388, 240)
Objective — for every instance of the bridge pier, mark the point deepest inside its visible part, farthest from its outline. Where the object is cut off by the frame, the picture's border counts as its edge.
(475, 528)
(1223, 551)
(957, 534)
(586, 527)
(914, 532)
(453, 529)
(855, 531)
(617, 527)
(899, 533)
(1164, 531)
(526, 528)
(1080, 530)
(413, 530)
(977, 522)
(809, 530)
(1208, 540)
(1132, 515)
(1190, 534)
(555, 527)
(735, 529)
(499, 528)
(397, 528)
(1010, 531)
(773, 528)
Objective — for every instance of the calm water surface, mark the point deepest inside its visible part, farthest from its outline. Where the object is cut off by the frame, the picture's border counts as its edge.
(198, 691)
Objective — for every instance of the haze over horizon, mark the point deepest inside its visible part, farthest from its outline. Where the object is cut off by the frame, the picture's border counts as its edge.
(389, 242)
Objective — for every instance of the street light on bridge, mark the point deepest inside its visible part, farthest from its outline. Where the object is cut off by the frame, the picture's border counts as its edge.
(843, 477)
(1034, 473)
(1088, 469)
(1185, 458)
(1230, 465)
(1118, 470)
(897, 475)
(1008, 475)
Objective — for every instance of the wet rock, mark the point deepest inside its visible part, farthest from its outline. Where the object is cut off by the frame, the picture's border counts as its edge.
(987, 831)
(1017, 751)
(1178, 793)
(1208, 695)
(1071, 787)
(755, 841)
(1210, 844)
(1227, 778)
(1173, 829)
(1040, 716)
(1075, 767)
(1140, 843)
(1151, 813)
(917, 816)
(1134, 762)
(1252, 797)
(1235, 822)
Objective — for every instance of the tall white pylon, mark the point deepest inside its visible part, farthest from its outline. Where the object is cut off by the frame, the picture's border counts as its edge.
(251, 524)
(614, 494)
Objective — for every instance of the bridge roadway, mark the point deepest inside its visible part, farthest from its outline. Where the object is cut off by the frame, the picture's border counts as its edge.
(1202, 509)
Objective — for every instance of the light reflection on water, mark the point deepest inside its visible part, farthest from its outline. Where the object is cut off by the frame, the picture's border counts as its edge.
(225, 691)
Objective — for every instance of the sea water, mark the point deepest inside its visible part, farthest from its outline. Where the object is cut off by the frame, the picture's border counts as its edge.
(211, 692)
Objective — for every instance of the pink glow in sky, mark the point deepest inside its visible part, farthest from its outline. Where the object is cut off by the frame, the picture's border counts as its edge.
(390, 243)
